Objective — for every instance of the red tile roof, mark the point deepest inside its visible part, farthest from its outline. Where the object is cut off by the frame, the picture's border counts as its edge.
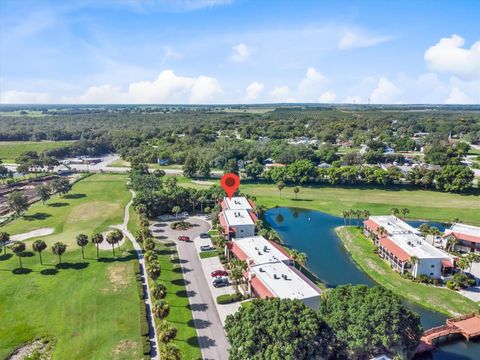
(253, 216)
(462, 236)
(447, 263)
(238, 252)
(260, 288)
(223, 222)
(396, 250)
(372, 225)
(252, 204)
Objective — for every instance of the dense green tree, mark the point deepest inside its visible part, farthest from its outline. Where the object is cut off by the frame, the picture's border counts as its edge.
(4, 239)
(43, 192)
(161, 309)
(454, 178)
(17, 202)
(61, 185)
(369, 321)
(154, 270)
(276, 329)
(231, 166)
(159, 291)
(190, 166)
(254, 169)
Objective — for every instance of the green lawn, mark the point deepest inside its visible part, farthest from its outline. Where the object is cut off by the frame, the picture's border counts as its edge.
(180, 313)
(208, 254)
(443, 300)
(93, 205)
(9, 150)
(423, 204)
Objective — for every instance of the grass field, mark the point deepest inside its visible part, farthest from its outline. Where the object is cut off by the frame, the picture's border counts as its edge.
(423, 204)
(9, 150)
(90, 307)
(363, 253)
(180, 313)
(93, 204)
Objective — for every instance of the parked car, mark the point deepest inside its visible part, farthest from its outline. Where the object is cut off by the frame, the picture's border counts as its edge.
(218, 273)
(220, 282)
(183, 238)
(206, 248)
(204, 236)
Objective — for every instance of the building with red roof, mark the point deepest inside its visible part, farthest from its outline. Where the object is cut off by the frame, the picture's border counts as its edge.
(466, 238)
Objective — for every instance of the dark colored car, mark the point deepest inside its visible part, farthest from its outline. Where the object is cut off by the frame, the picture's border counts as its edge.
(204, 236)
(218, 273)
(183, 238)
(220, 282)
(206, 248)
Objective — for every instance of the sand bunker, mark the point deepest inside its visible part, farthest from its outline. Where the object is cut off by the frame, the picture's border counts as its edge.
(32, 234)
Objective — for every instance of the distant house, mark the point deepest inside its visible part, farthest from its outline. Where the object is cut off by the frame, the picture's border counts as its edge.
(274, 165)
(403, 247)
(467, 237)
(388, 150)
(163, 162)
(324, 165)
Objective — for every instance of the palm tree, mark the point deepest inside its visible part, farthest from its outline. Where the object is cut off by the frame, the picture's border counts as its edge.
(97, 239)
(159, 291)
(294, 255)
(296, 190)
(471, 258)
(280, 186)
(451, 242)
(463, 264)
(382, 231)
(237, 267)
(82, 240)
(414, 261)
(166, 332)
(345, 214)
(149, 244)
(114, 237)
(38, 246)
(366, 214)
(150, 256)
(302, 259)
(4, 239)
(59, 249)
(394, 211)
(154, 270)
(161, 309)
(170, 351)
(18, 248)
(358, 213)
(176, 210)
(405, 211)
(350, 213)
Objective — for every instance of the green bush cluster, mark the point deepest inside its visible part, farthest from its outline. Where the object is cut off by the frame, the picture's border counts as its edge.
(230, 298)
(180, 225)
(460, 281)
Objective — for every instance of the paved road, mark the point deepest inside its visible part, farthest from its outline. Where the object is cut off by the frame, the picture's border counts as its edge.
(211, 335)
(146, 289)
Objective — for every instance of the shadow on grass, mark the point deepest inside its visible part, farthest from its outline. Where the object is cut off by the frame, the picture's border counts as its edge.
(301, 199)
(21, 271)
(5, 256)
(199, 323)
(58, 204)
(185, 293)
(73, 266)
(131, 256)
(49, 272)
(74, 196)
(37, 216)
(178, 270)
(180, 282)
(28, 254)
(198, 307)
(166, 252)
(201, 341)
(174, 261)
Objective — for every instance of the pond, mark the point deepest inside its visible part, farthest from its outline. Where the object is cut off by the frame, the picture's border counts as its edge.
(312, 232)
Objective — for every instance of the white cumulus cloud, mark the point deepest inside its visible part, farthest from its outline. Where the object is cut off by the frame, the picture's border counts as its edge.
(327, 97)
(386, 92)
(457, 96)
(241, 53)
(253, 91)
(449, 56)
(23, 97)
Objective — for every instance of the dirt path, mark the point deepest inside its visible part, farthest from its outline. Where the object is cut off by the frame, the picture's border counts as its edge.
(32, 234)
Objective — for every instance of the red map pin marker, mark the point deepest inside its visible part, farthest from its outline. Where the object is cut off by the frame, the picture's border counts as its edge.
(230, 183)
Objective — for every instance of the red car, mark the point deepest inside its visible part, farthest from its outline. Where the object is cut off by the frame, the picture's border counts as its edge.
(183, 238)
(218, 273)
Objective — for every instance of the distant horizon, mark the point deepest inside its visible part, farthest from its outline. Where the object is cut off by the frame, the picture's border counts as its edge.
(243, 104)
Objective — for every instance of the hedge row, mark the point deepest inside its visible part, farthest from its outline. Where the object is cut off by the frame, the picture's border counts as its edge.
(229, 298)
(144, 328)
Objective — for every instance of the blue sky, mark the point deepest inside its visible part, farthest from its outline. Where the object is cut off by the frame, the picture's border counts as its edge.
(239, 51)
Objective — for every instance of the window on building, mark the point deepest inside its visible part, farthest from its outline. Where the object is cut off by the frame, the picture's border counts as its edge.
(432, 266)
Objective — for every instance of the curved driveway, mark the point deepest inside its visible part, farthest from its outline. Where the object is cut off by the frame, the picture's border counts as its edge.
(211, 335)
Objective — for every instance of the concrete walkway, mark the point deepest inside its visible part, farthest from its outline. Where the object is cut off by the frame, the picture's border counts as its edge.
(146, 289)
(211, 335)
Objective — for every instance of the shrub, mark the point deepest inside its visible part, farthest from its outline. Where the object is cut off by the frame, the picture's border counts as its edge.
(180, 225)
(166, 332)
(229, 298)
(451, 285)
(159, 291)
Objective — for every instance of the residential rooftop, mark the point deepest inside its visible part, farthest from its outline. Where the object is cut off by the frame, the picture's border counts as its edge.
(237, 203)
(466, 229)
(238, 217)
(414, 245)
(260, 250)
(284, 281)
(393, 225)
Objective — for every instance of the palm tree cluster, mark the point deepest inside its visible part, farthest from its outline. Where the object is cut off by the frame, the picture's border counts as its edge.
(351, 213)
(237, 267)
(300, 258)
(395, 211)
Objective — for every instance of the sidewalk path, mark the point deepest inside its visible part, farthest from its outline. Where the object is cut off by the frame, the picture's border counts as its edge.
(146, 289)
